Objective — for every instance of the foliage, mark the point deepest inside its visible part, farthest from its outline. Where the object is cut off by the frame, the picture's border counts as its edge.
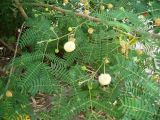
(71, 79)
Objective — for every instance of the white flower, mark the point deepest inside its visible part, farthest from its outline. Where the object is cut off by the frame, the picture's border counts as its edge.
(104, 79)
(69, 46)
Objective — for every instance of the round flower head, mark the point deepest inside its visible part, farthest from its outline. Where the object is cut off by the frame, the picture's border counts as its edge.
(110, 6)
(9, 93)
(69, 46)
(56, 50)
(65, 1)
(157, 22)
(104, 79)
(90, 30)
(102, 7)
(70, 29)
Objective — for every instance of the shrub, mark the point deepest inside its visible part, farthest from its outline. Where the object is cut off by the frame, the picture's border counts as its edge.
(84, 61)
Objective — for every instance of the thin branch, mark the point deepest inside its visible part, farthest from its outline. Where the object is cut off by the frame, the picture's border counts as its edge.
(147, 11)
(15, 53)
(64, 11)
(11, 70)
(21, 10)
(94, 19)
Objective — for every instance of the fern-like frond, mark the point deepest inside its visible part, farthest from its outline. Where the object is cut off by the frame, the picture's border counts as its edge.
(27, 58)
(39, 30)
(38, 78)
(138, 108)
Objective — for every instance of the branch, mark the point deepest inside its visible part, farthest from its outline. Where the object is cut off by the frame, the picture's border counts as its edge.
(64, 11)
(11, 70)
(19, 6)
(94, 19)
(15, 53)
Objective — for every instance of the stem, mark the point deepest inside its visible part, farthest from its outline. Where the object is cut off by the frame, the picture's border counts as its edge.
(21, 10)
(64, 11)
(94, 19)
(104, 68)
(11, 70)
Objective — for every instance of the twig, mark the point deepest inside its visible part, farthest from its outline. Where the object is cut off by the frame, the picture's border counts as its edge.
(15, 53)
(64, 11)
(147, 11)
(19, 6)
(94, 19)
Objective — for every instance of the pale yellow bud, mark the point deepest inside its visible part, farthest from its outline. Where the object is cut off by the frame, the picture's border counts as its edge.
(70, 29)
(157, 22)
(106, 61)
(56, 50)
(9, 93)
(90, 30)
(102, 7)
(139, 52)
(86, 12)
(110, 6)
(65, 1)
